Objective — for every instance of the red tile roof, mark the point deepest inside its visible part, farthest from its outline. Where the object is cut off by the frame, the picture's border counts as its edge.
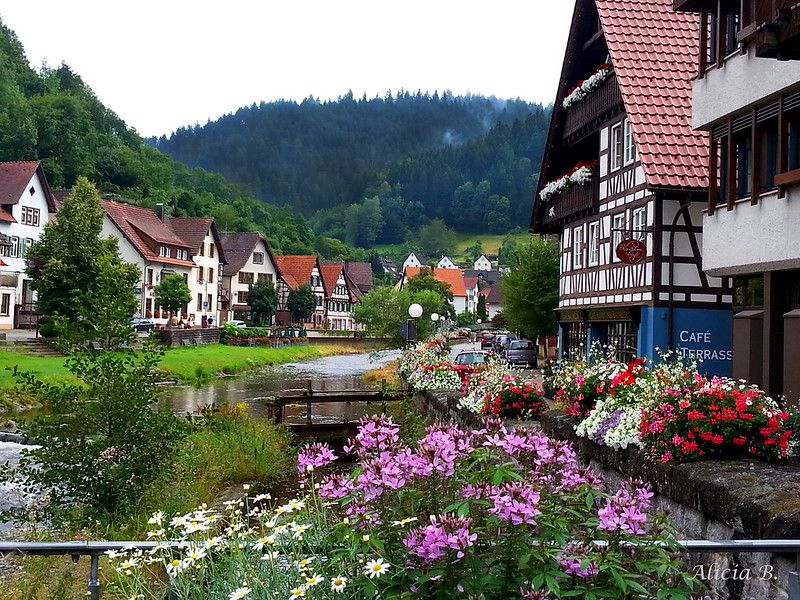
(470, 282)
(6, 216)
(135, 222)
(238, 247)
(360, 273)
(330, 272)
(654, 53)
(296, 269)
(15, 177)
(191, 230)
(453, 277)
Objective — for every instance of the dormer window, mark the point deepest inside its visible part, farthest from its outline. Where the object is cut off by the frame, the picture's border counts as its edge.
(163, 252)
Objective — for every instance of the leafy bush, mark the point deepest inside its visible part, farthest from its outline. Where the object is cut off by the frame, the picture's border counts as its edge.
(48, 327)
(515, 398)
(486, 513)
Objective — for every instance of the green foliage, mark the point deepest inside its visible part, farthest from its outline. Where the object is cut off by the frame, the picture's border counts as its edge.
(172, 293)
(465, 318)
(301, 302)
(81, 281)
(425, 281)
(474, 251)
(436, 239)
(263, 300)
(509, 253)
(383, 310)
(483, 314)
(530, 289)
(101, 442)
(363, 222)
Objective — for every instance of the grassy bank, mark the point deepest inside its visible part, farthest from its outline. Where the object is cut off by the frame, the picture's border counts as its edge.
(194, 365)
(386, 374)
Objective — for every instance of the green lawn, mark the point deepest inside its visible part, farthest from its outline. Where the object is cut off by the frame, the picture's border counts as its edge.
(189, 365)
(491, 241)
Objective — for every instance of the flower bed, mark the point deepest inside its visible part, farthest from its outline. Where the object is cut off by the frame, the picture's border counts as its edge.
(585, 87)
(581, 174)
(670, 410)
(461, 513)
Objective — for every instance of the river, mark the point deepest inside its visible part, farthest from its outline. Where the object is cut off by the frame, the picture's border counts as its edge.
(252, 389)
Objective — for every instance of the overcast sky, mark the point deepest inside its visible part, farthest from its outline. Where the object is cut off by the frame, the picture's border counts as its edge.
(160, 64)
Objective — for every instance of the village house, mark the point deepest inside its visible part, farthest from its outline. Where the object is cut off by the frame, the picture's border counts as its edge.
(446, 263)
(482, 264)
(249, 259)
(623, 186)
(151, 241)
(296, 270)
(494, 300)
(746, 103)
(341, 295)
(360, 274)
(415, 259)
(472, 285)
(452, 277)
(26, 204)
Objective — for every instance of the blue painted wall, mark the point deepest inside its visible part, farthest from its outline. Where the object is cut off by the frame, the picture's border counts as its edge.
(702, 334)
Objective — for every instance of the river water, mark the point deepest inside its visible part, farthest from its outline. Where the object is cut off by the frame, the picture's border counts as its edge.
(252, 389)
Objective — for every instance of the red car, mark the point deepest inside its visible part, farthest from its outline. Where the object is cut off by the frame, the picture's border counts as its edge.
(487, 341)
(468, 361)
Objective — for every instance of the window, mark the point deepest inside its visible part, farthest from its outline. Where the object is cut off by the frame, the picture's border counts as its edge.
(577, 247)
(769, 154)
(267, 276)
(616, 147)
(594, 244)
(200, 272)
(748, 292)
(32, 191)
(245, 277)
(319, 300)
(629, 149)
(639, 223)
(622, 336)
(163, 251)
(202, 249)
(30, 216)
(258, 258)
(211, 249)
(199, 302)
(744, 163)
(210, 301)
(210, 274)
(617, 233)
(242, 296)
(794, 140)
(5, 305)
(150, 277)
(27, 242)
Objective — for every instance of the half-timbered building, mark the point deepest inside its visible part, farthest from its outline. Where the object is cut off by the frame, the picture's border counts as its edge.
(749, 101)
(623, 163)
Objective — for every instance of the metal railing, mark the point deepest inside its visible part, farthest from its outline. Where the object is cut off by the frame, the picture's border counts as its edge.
(94, 550)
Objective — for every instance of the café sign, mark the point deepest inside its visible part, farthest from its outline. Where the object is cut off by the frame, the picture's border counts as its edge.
(631, 252)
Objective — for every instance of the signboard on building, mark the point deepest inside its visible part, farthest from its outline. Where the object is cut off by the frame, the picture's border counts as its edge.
(631, 252)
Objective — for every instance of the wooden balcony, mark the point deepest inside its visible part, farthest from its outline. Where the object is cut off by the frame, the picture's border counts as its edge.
(576, 202)
(598, 106)
(773, 27)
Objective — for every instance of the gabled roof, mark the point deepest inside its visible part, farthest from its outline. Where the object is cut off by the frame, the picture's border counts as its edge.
(136, 222)
(238, 247)
(192, 230)
(360, 273)
(470, 282)
(330, 272)
(14, 180)
(296, 269)
(493, 295)
(454, 277)
(487, 276)
(654, 53)
(59, 195)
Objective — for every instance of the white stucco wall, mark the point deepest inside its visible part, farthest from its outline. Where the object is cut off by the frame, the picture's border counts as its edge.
(205, 287)
(482, 264)
(741, 81)
(266, 269)
(752, 239)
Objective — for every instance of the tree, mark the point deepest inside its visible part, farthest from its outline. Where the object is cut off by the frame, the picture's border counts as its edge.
(301, 302)
(101, 443)
(483, 315)
(172, 293)
(474, 251)
(80, 279)
(435, 239)
(263, 300)
(509, 252)
(383, 310)
(425, 281)
(376, 264)
(363, 222)
(530, 289)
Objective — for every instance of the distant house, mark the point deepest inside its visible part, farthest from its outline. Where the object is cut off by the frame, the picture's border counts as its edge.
(389, 266)
(482, 263)
(494, 299)
(159, 246)
(26, 204)
(415, 259)
(341, 295)
(453, 277)
(249, 259)
(471, 284)
(296, 270)
(446, 263)
(360, 273)
(487, 278)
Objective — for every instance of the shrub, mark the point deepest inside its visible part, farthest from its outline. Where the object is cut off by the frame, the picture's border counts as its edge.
(48, 327)
(515, 398)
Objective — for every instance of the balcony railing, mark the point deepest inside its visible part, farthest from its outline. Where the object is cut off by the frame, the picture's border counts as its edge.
(773, 26)
(577, 200)
(596, 107)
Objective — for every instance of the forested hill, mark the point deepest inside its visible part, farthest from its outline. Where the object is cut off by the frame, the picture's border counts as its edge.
(413, 152)
(52, 115)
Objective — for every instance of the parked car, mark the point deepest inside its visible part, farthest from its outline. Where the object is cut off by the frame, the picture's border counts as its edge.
(468, 361)
(487, 341)
(501, 342)
(141, 324)
(238, 323)
(522, 352)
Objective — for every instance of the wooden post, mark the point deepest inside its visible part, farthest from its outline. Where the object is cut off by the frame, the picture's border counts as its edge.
(783, 145)
(755, 145)
(721, 31)
(703, 62)
(308, 411)
(731, 167)
(713, 168)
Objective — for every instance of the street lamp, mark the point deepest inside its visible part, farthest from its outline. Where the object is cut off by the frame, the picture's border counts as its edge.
(415, 312)
(435, 317)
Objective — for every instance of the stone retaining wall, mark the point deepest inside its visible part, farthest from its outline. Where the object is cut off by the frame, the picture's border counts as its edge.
(714, 500)
(173, 337)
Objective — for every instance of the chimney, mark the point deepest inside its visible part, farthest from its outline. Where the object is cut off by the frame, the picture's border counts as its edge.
(160, 210)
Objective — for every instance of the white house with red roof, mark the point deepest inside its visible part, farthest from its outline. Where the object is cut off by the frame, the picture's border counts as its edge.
(249, 259)
(341, 296)
(296, 270)
(623, 185)
(26, 204)
(159, 246)
(452, 277)
(746, 95)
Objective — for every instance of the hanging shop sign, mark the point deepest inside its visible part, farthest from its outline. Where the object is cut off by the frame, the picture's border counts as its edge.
(631, 252)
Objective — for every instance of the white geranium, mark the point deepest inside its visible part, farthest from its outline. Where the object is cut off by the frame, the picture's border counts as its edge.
(586, 86)
(580, 176)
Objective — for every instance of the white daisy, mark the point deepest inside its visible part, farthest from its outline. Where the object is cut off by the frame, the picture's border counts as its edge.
(376, 568)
